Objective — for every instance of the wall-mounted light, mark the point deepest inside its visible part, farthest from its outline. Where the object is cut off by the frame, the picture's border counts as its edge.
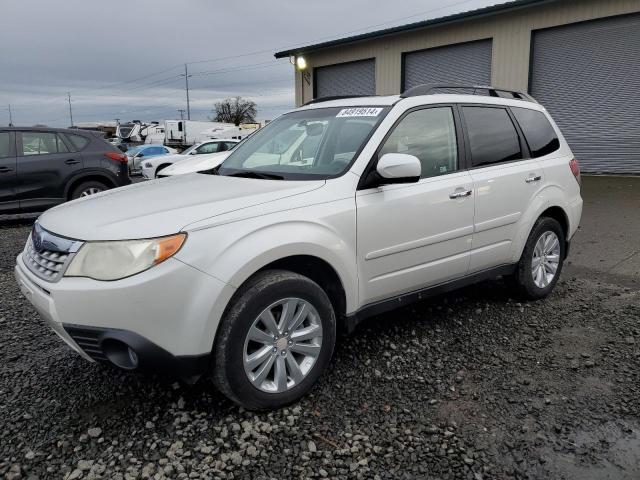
(301, 63)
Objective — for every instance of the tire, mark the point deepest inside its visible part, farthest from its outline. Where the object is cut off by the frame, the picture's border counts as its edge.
(88, 188)
(522, 281)
(160, 168)
(233, 346)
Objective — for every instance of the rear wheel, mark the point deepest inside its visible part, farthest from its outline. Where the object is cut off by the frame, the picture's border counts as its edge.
(87, 189)
(541, 262)
(275, 340)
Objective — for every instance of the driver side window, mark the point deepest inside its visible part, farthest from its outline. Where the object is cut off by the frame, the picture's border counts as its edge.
(430, 135)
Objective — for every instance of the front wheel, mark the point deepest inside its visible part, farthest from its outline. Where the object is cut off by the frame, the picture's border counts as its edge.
(275, 340)
(541, 262)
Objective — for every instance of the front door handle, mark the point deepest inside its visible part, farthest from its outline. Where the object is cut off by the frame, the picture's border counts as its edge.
(460, 194)
(6, 169)
(72, 162)
(533, 178)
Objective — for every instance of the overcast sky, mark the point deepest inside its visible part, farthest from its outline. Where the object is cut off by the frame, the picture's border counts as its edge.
(122, 59)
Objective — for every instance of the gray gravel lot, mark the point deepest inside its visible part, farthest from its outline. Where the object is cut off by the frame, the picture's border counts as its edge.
(471, 385)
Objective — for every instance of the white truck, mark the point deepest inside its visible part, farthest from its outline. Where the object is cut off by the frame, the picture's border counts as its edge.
(184, 133)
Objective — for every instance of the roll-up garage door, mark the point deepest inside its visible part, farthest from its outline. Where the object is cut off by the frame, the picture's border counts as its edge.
(352, 78)
(588, 77)
(465, 64)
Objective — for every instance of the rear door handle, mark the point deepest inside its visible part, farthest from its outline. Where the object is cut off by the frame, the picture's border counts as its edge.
(460, 194)
(72, 162)
(6, 169)
(533, 178)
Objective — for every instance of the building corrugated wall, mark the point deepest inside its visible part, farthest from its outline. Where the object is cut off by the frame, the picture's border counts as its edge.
(510, 33)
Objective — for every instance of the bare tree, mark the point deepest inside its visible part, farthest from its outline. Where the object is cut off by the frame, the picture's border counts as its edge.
(235, 110)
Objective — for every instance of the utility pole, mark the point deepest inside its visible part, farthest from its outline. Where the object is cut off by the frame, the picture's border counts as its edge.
(186, 83)
(70, 112)
(10, 117)
(184, 126)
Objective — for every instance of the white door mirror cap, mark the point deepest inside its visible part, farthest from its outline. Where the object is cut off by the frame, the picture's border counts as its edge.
(399, 168)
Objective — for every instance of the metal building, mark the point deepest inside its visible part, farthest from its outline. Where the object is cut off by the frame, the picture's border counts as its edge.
(579, 58)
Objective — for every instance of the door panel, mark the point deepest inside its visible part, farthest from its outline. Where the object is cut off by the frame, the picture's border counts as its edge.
(413, 236)
(504, 183)
(8, 174)
(44, 164)
(502, 195)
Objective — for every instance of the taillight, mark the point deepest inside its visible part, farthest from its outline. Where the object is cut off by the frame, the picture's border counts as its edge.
(575, 169)
(118, 157)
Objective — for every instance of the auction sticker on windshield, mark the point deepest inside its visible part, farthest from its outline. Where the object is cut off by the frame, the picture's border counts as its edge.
(359, 112)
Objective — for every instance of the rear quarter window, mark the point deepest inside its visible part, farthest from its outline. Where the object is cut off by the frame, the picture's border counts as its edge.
(78, 141)
(538, 132)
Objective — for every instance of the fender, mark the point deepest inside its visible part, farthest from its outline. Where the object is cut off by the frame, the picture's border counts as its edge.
(548, 196)
(237, 257)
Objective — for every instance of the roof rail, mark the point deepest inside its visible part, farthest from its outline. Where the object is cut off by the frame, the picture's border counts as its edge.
(428, 89)
(335, 97)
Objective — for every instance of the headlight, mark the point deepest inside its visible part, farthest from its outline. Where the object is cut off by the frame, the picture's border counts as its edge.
(148, 165)
(122, 258)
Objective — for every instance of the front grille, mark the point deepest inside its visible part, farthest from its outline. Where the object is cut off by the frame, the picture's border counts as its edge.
(88, 340)
(48, 265)
(48, 255)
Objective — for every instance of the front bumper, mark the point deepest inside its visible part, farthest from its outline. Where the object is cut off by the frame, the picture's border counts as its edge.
(148, 173)
(168, 314)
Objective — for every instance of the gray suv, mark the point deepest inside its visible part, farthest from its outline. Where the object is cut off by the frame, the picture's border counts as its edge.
(43, 167)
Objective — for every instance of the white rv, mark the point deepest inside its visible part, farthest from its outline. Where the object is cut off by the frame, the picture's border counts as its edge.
(137, 132)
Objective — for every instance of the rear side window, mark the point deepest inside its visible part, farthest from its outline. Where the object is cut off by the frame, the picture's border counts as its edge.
(430, 135)
(42, 143)
(208, 148)
(5, 144)
(78, 141)
(540, 135)
(492, 136)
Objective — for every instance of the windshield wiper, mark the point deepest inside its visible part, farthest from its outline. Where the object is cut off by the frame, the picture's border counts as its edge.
(248, 174)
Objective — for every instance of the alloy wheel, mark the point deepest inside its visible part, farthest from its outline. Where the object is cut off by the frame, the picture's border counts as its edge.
(90, 191)
(546, 259)
(282, 345)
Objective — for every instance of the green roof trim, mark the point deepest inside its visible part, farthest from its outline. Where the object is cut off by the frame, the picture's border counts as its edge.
(490, 10)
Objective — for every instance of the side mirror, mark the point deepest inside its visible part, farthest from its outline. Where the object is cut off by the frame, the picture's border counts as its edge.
(140, 155)
(399, 168)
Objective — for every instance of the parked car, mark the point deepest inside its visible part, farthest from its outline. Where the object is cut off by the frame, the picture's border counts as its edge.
(151, 168)
(42, 167)
(255, 266)
(137, 155)
(201, 163)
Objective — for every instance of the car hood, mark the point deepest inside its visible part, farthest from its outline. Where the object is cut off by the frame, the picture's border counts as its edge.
(197, 163)
(165, 206)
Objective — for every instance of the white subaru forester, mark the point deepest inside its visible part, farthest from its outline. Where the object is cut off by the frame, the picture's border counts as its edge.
(333, 212)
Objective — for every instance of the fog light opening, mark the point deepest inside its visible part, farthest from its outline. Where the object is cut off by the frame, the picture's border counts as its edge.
(120, 354)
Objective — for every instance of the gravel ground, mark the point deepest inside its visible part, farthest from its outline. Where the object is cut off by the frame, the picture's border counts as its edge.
(471, 385)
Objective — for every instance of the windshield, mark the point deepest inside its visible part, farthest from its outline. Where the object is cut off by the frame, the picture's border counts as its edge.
(308, 144)
(132, 151)
(190, 149)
